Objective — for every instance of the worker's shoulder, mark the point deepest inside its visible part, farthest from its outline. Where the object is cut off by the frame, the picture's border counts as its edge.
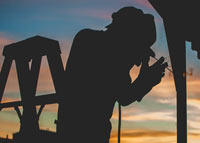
(86, 33)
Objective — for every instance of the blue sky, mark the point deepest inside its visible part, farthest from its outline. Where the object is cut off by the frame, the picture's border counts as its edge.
(62, 19)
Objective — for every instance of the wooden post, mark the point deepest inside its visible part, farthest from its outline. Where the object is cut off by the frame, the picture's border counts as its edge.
(4, 75)
(177, 50)
(27, 89)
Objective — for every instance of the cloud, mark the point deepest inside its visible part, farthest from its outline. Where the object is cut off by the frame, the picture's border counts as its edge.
(170, 101)
(65, 46)
(90, 12)
(194, 103)
(143, 136)
(193, 89)
(147, 116)
(52, 108)
(194, 126)
(9, 122)
(166, 88)
(150, 136)
(193, 115)
(45, 82)
(7, 128)
(4, 40)
(144, 133)
(8, 99)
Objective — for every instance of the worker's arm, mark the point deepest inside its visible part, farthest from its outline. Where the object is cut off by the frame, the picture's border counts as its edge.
(147, 79)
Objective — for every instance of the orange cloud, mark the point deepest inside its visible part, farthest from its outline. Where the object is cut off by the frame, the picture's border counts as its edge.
(154, 116)
(193, 87)
(8, 128)
(150, 136)
(143, 136)
(53, 108)
(8, 99)
(166, 88)
(143, 133)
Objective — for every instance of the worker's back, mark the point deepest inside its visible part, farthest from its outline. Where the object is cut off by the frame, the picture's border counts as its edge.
(88, 103)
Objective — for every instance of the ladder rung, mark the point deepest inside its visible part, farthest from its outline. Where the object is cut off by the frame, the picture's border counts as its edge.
(39, 100)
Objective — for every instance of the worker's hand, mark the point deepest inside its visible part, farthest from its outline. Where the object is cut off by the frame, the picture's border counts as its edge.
(152, 75)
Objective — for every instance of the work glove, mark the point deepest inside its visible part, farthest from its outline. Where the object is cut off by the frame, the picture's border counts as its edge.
(150, 76)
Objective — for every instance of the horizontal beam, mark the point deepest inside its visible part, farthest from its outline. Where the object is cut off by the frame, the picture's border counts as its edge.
(38, 100)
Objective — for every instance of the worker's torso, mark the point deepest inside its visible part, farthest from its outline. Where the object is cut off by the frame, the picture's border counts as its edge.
(90, 96)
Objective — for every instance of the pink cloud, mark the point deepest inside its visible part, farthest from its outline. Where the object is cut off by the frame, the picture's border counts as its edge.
(98, 14)
(93, 13)
(4, 41)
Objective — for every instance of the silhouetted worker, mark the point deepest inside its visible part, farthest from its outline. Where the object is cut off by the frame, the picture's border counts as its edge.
(97, 75)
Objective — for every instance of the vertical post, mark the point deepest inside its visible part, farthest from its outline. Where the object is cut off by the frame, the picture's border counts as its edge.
(18, 113)
(35, 69)
(57, 72)
(29, 118)
(177, 50)
(4, 75)
(40, 110)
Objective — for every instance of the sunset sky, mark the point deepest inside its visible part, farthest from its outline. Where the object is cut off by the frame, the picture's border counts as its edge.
(152, 120)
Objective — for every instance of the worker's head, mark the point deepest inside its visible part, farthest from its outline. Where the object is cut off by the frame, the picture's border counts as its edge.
(135, 31)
